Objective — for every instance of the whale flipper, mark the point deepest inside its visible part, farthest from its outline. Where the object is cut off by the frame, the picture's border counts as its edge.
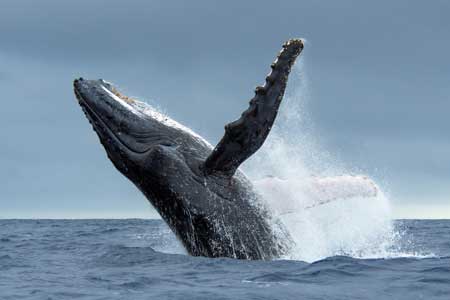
(246, 135)
(299, 194)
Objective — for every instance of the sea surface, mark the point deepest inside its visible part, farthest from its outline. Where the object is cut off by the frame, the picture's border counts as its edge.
(141, 259)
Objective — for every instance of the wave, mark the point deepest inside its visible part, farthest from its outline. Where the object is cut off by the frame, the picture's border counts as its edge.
(120, 256)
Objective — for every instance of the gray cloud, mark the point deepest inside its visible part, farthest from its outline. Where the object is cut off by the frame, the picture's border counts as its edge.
(377, 74)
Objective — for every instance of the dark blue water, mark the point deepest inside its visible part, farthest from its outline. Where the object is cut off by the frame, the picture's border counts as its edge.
(140, 259)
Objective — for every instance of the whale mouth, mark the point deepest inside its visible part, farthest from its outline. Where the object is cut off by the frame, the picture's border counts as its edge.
(100, 127)
(117, 119)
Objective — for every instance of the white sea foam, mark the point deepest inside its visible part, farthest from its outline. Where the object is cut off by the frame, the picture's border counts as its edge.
(356, 223)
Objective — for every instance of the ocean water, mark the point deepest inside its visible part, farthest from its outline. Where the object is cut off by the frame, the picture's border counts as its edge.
(141, 259)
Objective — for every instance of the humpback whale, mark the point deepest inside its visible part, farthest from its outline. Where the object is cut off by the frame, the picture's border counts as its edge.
(199, 190)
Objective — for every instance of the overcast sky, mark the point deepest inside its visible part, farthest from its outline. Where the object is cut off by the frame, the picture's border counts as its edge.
(378, 90)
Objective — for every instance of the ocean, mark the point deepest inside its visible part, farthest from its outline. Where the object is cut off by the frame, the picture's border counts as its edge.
(141, 259)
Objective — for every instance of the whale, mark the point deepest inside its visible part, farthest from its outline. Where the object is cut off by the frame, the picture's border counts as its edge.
(198, 190)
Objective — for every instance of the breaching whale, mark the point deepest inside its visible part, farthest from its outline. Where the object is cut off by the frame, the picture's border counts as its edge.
(198, 190)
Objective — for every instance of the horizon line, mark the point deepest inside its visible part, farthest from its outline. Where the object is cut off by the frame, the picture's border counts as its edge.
(157, 218)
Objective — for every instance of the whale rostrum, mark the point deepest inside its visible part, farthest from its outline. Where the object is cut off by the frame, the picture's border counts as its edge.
(198, 190)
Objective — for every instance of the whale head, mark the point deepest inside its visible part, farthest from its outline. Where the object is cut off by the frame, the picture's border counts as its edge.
(130, 130)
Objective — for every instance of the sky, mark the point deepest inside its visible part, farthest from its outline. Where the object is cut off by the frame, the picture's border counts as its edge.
(378, 90)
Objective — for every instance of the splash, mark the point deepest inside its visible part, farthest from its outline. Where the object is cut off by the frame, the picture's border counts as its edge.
(356, 224)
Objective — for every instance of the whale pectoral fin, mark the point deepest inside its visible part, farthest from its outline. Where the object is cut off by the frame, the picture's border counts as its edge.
(246, 135)
(328, 189)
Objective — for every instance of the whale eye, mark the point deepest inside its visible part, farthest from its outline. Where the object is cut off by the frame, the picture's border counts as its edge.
(167, 144)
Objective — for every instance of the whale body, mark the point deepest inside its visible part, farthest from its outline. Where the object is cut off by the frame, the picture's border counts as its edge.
(198, 190)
